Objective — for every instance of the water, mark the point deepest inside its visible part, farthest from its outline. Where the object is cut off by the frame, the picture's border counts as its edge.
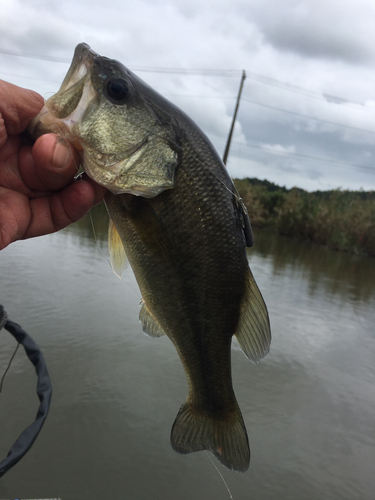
(309, 406)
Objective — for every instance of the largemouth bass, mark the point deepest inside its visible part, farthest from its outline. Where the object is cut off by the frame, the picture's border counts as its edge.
(176, 213)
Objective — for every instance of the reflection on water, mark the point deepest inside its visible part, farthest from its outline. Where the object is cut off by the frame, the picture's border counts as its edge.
(342, 274)
(339, 273)
(309, 406)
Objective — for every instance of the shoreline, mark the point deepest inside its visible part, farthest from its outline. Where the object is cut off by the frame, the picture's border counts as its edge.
(340, 220)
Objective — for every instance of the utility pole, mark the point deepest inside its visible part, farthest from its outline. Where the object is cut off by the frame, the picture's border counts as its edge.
(226, 152)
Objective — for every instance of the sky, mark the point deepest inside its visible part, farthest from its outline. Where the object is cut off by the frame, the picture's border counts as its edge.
(307, 112)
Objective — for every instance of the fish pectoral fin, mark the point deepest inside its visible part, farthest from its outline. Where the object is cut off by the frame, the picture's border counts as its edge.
(117, 255)
(149, 324)
(253, 331)
(225, 437)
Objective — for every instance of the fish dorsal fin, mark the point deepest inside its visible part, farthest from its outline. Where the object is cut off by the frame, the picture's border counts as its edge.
(117, 254)
(149, 324)
(253, 331)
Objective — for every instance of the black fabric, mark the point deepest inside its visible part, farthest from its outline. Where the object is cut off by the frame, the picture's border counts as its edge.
(44, 391)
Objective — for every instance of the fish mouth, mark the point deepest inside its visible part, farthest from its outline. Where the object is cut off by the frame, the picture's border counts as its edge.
(80, 66)
(65, 108)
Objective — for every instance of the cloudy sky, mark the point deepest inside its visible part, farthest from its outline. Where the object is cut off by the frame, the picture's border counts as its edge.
(307, 113)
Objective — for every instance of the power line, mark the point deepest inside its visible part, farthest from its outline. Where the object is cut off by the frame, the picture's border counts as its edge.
(34, 56)
(213, 72)
(190, 96)
(29, 78)
(204, 72)
(252, 76)
(299, 90)
(183, 71)
(305, 157)
(226, 97)
(308, 116)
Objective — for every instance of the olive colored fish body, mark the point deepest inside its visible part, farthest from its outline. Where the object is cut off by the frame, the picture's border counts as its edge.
(184, 230)
(186, 247)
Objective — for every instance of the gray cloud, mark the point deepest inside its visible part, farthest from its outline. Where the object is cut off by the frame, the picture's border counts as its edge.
(317, 29)
(310, 59)
(309, 41)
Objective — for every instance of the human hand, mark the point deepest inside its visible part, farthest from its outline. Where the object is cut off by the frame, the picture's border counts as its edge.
(37, 195)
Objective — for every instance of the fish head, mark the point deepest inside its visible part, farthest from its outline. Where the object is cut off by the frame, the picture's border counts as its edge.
(111, 116)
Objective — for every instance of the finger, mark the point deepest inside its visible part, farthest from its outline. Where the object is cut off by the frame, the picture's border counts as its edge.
(14, 216)
(18, 106)
(50, 214)
(100, 191)
(52, 165)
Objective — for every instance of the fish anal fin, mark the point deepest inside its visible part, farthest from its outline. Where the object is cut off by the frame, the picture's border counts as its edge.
(225, 437)
(117, 255)
(149, 324)
(253, 331)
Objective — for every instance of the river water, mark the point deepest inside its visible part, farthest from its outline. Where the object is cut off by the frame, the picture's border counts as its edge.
(309, 406)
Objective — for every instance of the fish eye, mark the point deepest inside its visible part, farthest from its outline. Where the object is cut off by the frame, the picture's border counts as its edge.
(117, 89)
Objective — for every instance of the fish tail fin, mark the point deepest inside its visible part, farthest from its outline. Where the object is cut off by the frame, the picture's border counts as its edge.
(225, 437)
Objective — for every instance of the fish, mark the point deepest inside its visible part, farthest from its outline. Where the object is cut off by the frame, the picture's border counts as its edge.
(176, 215)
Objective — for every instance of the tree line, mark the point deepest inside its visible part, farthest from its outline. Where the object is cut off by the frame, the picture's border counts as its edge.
(340, 219)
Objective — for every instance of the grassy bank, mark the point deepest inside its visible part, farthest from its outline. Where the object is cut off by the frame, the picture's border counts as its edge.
(342, 220)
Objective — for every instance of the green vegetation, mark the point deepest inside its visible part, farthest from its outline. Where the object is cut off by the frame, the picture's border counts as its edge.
(341, 220)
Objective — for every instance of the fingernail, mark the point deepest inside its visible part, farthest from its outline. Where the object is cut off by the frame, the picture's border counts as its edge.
(62, 153)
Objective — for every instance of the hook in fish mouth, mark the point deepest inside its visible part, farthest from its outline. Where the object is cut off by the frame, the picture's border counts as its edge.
(79, 176)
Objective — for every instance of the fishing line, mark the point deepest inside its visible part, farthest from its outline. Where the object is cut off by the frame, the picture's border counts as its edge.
(220, 474)
(77, 179)
(61, 135)
(8, 367)
(96, 239)
(122, 279)
(241, 208)
(104, 257)
(139, 297)
(233, 193)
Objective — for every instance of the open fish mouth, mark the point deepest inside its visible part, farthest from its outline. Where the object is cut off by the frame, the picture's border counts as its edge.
(74, 95)
(67, 107)
(79, 67)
